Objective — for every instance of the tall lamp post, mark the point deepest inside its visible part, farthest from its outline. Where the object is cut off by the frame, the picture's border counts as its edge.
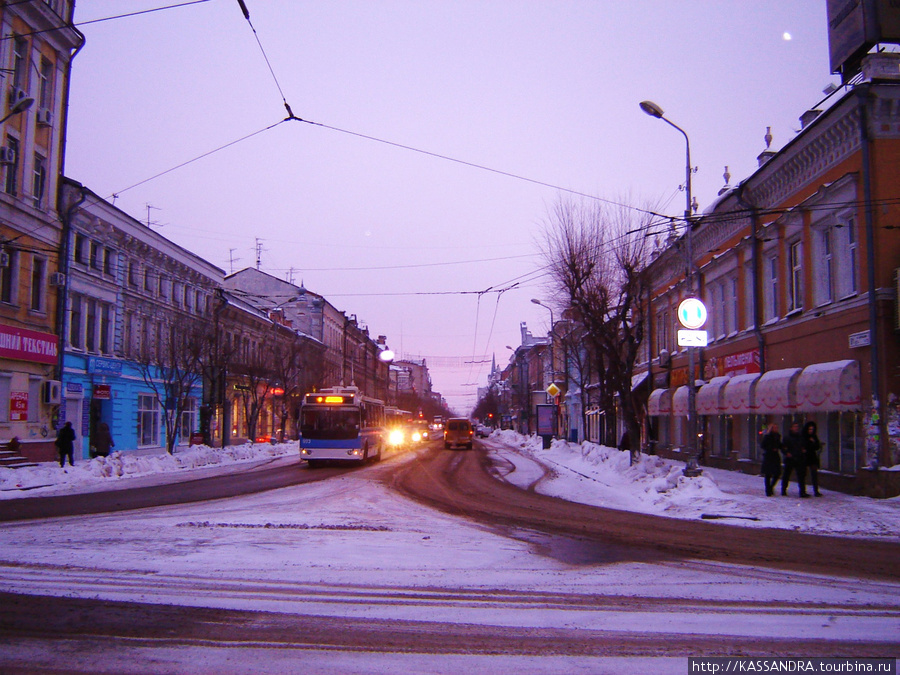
(691, 468)
(552, 386)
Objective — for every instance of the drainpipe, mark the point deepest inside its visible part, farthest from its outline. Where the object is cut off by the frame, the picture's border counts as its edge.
(864, 94)
(62, 295)
(756, 258)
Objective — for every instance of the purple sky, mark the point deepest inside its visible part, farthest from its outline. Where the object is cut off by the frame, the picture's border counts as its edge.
(547, 91)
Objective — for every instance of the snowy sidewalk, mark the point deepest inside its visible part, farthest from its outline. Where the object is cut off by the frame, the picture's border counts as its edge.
(601, 476)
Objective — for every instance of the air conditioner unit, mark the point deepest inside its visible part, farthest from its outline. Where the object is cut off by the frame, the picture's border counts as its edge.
(45, 117)
(57, 279)
(4, 259)
(16, 94)
(52, 392)
(7, 155)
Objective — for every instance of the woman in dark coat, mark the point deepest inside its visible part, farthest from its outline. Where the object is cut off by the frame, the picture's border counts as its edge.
(811, 448)
(102, 440)
(771, 461)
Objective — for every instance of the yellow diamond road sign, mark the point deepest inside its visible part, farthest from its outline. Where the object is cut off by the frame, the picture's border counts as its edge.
(553, 390)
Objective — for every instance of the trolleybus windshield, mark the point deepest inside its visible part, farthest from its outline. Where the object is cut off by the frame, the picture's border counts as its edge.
(329, 424)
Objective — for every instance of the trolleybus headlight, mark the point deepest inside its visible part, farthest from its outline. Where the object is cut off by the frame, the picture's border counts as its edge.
(396, 437)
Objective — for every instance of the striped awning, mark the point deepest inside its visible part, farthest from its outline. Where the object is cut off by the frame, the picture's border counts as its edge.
(776, 392)
(711, 396)
(680, 401)
(659, 403)
(828, 387)
(740, 395)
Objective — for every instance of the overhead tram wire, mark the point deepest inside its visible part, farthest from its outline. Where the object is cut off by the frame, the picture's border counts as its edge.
(92, 21)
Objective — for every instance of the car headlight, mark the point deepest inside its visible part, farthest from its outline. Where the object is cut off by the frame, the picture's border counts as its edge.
(416, 436)
(396, 437)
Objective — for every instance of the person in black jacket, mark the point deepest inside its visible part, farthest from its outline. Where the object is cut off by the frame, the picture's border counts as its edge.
(794, 460)
(771, 461)
(811, 448)
(65, 443)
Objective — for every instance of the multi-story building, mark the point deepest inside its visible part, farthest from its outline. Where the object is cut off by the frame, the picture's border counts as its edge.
(797, 266)
(126, 287)
(36, 50)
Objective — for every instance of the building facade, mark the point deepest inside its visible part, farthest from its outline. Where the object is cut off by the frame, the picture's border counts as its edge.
(797, 266)
(37, 49)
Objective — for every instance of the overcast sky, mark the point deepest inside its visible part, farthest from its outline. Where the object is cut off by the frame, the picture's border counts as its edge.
(545, 94)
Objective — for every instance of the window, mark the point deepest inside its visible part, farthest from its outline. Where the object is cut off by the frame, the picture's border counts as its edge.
(105, 328)
(8, 278)
(852, 287)
(109, 262)
(824, 267)
(39, 181)
(795, 260)
(161, 289)
(46, 85)
(79, 248)
(735, 301)
(95, 255)
(12, 169)
(132, 273)
(188, 419)
(148, 420)
(770, 287)
(38, 280)
(90, 333)
(148, 281)
(20, 62)
(177, 293)
(75, 322)
(187, 298)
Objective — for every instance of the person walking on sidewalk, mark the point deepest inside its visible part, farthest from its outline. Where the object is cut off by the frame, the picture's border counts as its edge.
(794, 460)
(65, 443)
(771, 462)
(811, 448)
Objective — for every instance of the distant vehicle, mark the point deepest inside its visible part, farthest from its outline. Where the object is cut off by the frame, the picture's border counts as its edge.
(437, 424)
(418, 431)
(482, 431)
(458, 431)
(341, 424)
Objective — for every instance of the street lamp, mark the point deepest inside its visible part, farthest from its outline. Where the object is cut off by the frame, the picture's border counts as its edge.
(691, 468)
(550, 336)
(20, 106)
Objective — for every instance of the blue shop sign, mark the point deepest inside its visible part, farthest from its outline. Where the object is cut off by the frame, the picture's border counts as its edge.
(104, 366)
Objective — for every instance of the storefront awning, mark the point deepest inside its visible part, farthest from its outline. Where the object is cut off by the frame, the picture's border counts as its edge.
(711, 396)
(680, 401)
(659, 403)
(776, 392)
(829, 387)
(740, 395)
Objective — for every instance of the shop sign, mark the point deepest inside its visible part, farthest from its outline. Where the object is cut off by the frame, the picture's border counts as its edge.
(860, 339)
(741, 363)
(104, 366)
(74, 388)
(27, 345)
(102, 392)
(18, 406)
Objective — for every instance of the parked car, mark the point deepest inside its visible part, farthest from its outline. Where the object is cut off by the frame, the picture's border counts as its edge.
(458, 431)
(482, 431)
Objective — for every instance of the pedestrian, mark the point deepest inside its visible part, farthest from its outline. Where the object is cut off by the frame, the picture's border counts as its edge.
(102, 440)
(811, 448)
(794, 460)
(65, 443)
(771, 461)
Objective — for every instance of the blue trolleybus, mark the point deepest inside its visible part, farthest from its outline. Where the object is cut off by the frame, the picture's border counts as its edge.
(341, 424)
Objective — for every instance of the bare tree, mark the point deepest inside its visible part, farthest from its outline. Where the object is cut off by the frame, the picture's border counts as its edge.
(597, 257)
(298, 366)
(171, 368)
